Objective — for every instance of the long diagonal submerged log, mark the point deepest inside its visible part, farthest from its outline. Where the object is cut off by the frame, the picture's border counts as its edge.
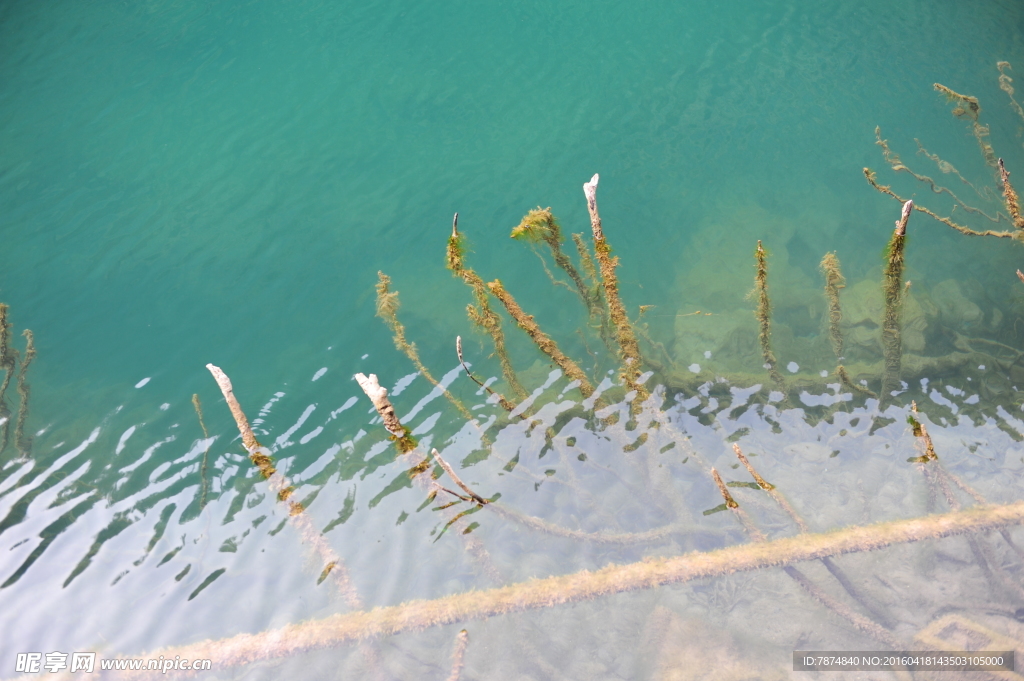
(580, 586)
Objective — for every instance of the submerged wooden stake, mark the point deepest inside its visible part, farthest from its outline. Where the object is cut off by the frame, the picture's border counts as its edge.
(761, 482)
(387, 309)
(542, 340)
(378, 395)
(729, 501)
(202, 469)
(833, 282)
(540, 225)
(22, 443)
(764, 316)
(1010, 197)
(8, 363)
(921, 433)
(279, 484)
(892, 293)
(628, 347)
(224, 383)
(481, 314)
(419, 464)
(553, 591)
(458, 655)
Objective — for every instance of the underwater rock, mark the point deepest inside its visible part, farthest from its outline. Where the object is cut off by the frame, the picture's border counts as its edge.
(862, 312)
(956, 309)
(997, 319)
(730, 337)
(995, 385)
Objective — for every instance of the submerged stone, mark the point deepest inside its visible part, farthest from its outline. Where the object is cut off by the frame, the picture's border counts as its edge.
(956, 309)
(862, 312)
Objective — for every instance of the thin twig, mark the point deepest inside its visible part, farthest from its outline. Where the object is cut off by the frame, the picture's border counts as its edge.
(869, 175)
(458, 653)
(458, 481)
(505, 404)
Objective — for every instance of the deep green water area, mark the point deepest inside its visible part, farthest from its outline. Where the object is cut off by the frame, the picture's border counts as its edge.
(184, 183)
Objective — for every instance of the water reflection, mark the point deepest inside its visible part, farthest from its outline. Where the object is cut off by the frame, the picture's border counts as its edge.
(631, 505)
(197, 539)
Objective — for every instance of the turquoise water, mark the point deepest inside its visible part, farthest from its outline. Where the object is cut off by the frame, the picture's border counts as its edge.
(183, 183)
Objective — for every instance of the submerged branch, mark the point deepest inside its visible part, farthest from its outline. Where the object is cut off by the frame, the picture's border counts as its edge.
(586, 585)
(541, 339)
(387, 309)
(628, 347)
(481, 314)
(763, 314)
(279, 484)
(870, 176)
(505, 404)
(892, 293)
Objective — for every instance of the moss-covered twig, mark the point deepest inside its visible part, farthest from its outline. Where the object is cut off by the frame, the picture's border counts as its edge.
(587, 585)
(865, 625)
(629, 349)
(872, 179)
(859, 621)
(589, 268)
(969, 108)
(21, 441)
(540, 225)
(833, 282)
(921, 433)
(784, 504)
(892, 294)
(418, 464)
(409, 452)
(761, 482)
(937, 476)
(481, 314)
(387, 309)
(541, 339)
(260, 457)
(1010, 197)
(602, 321)
(458, 655)
(763, 314)
(1005, 84)
(844, 378)
(949, 169)
(655, 536)
(8, 363)
(202, 469)
(893, 159)
(729, 501)
(505, 404)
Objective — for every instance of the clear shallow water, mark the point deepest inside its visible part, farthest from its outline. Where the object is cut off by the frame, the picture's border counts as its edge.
(186, 183)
